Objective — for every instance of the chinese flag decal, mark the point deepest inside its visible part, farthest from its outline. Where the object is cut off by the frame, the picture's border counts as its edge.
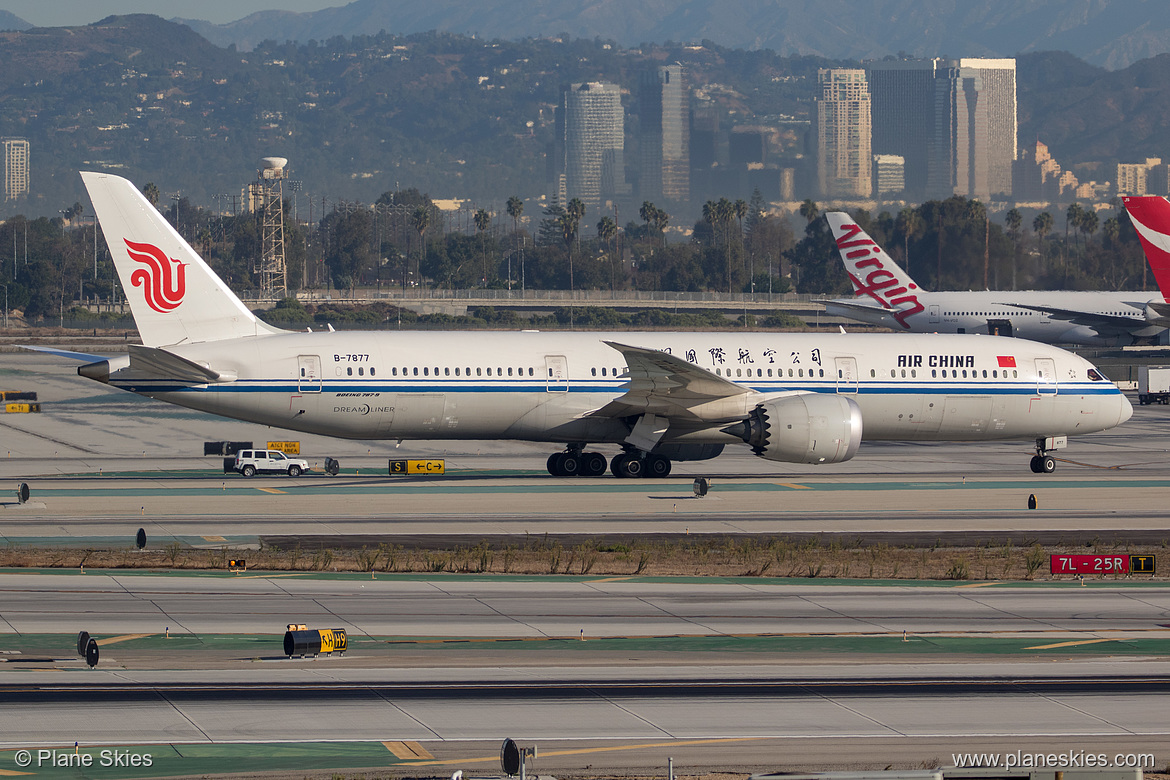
(1006, 361)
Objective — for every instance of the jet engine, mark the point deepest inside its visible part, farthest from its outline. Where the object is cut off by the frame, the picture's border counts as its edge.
(805, 428)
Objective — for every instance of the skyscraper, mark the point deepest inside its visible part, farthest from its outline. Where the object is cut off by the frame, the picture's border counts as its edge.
(15, 168)
(902, 104)
(664, 140)
(844, 159)
(594, 144)
(974, 136)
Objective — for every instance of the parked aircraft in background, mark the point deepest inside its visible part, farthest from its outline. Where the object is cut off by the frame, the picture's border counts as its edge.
(884, 294)
(1150, 215)
(655, 397)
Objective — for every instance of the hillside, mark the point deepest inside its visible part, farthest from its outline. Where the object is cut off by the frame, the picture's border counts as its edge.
(10, 21)
(1110, 33)
(451, 115)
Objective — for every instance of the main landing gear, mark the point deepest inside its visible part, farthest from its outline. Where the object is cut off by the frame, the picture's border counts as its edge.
(574, 462)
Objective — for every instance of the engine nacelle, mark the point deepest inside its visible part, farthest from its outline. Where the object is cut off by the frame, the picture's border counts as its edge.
(805, 428)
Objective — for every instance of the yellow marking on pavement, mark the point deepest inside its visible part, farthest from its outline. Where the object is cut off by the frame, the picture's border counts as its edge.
(407, 751)
(793, 486)
(608, 579)
(1072, 644)
(271, 490)
(110, 640)
(585, 751)
(977, 585)
(214, 539)
(13, 773)
(271, 576)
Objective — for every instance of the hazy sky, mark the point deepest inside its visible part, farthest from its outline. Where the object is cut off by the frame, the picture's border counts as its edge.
(66, 13)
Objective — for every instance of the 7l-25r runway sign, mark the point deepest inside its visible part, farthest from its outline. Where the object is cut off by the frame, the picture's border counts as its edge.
(1103, 564)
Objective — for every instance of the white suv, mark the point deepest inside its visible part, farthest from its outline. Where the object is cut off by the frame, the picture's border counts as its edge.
(250, 462)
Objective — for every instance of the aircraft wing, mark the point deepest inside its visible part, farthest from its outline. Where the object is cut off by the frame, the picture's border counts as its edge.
(666, 386)
(154, 363)
(1102, 323)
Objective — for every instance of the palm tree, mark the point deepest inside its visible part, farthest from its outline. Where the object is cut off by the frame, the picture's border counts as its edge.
(977, 212)
(809, 210)
(606, 232)
(1042, 224)
(1089, 223)
(568, 222)
(718, 214)
(483, 220)
(515, 209)
(1013, 220)
(576, 209)
(150, 190)
(909, 224)
(421, 219)
(1112, 230)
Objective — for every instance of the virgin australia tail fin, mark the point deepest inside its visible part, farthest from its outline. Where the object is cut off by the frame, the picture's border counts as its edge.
(174, 296)
(873, 273)
(1150, 215)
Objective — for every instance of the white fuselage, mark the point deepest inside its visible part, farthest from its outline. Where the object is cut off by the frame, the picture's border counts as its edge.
(543, 386)
(1004, 313)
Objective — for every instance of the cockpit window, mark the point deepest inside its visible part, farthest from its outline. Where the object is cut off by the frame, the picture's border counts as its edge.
(1095, 375)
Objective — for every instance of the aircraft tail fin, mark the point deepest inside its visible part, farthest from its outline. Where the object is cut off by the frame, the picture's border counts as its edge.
(1150, 215)
(874, 273)
(174, 296)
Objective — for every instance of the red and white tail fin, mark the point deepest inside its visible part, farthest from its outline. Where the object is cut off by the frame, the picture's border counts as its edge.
(174, 296)
(873, 273)
(1150, 215)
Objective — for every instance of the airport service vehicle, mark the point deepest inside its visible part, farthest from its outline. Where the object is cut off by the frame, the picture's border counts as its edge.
(252, 462)
(654, 397)
(1153, 385)
(884, 294)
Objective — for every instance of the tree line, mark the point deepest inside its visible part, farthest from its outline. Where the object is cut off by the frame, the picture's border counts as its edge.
(404, 241)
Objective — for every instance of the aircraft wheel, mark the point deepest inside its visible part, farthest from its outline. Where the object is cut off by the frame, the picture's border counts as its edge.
(1035, 464)
(617, 465)
(248, 471)
(631, 467)
(1047, 464)
(294, 471)
(657, 467)
(593, 464)
(551, 465)
(569, 464)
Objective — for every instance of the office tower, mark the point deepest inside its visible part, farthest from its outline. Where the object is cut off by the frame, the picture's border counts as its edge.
(594, 143)
(974, 138)
(902, 105)
(844, 159)
(747, 145)
(664, 141)
(889, 174)
(15, 168)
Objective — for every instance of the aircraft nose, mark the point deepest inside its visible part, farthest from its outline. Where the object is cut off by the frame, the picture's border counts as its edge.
(1126, 410)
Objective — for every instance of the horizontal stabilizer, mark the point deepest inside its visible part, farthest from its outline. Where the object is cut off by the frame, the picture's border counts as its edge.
(83, 356)
(154, 363)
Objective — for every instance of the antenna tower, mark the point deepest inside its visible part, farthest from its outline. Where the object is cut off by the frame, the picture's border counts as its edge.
(268, 194)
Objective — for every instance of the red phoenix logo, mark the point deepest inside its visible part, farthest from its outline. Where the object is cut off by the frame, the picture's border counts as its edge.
(165, 283)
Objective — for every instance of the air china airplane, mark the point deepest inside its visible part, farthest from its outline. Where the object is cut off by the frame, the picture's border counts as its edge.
(884, 294)
(657, 397)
